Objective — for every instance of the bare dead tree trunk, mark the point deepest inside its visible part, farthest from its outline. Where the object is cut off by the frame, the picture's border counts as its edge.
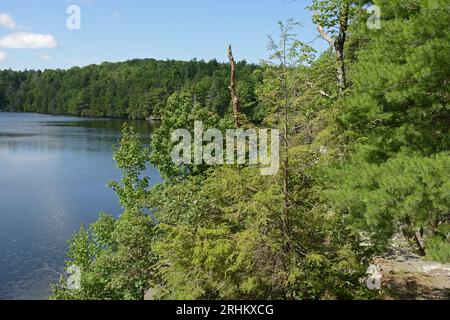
(232, 87)
(338, 45)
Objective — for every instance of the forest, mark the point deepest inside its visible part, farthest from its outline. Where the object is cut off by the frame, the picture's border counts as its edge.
(364, 157)
(135, 89)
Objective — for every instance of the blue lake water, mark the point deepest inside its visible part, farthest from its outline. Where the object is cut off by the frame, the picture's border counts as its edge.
(53, 178)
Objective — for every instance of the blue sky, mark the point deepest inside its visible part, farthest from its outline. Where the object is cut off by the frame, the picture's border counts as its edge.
(33, 33)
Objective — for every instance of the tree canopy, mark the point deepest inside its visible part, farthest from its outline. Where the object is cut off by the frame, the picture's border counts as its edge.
(134, 89)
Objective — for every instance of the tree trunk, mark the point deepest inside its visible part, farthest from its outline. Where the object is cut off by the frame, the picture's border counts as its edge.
(414, 238)
(340, 70)
(339, 46)
(232, 87)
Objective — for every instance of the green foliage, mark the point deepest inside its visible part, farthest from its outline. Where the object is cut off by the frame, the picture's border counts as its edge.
(115, 256)
(134, 89)
(181, 111)
(226, 242)
(132, 160)
(119, 263)
(81, 250)
(397, 113)
(438, 249)
(409, 191)
(438, 245)
(327, 13)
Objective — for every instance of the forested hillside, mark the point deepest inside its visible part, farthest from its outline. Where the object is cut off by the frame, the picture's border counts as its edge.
(135, 89)
(364, 156)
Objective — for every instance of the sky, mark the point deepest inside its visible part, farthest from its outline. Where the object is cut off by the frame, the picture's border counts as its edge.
(44, 34)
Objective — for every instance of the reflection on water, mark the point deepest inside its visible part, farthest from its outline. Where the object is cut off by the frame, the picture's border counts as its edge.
(53, 176)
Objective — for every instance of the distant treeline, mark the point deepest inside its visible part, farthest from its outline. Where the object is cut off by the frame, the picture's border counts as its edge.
(134, 89)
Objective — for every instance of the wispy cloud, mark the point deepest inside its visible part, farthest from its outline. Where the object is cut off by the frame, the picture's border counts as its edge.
(7, 21)
(3, 56)
(27, 40)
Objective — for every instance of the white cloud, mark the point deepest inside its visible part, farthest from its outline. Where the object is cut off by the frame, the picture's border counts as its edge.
(26, 40)
(7, 21)
(2, 56)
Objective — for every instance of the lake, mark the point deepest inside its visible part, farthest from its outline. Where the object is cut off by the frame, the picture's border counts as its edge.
(54, 172)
